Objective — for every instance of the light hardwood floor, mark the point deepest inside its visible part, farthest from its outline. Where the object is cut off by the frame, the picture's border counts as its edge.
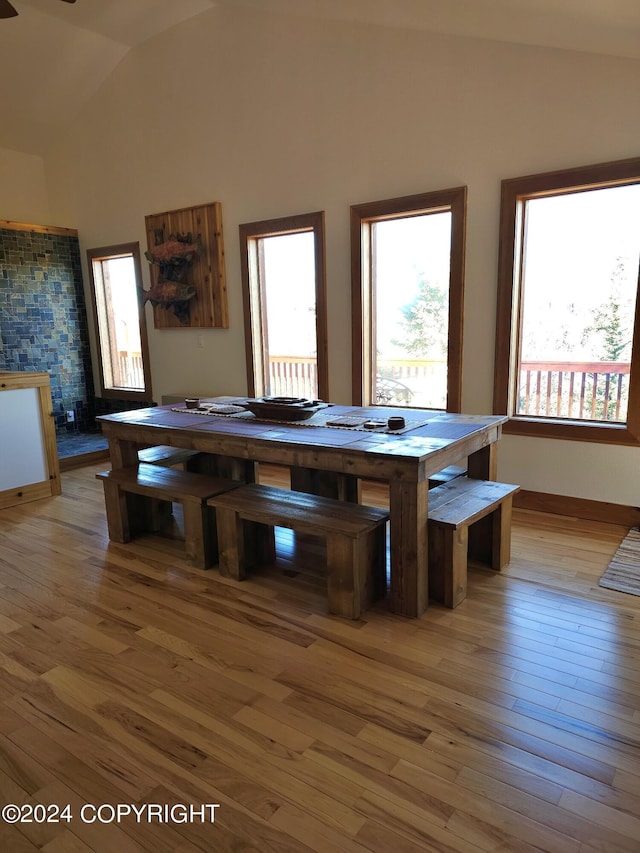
(509, 724)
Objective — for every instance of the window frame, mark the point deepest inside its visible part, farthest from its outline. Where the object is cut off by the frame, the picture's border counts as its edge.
(252, 232)
(363, 216)
(105, 253)
(515, 192)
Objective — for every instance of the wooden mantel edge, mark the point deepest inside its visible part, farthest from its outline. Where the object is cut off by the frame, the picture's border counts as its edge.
(42, 229)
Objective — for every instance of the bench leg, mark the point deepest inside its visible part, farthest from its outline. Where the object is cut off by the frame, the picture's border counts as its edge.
(490, 537)
(198, 534)
(116, 508)
(501, 538)
(231, 556)
(376, 576)
(448, 564)
(242, 543)
(129, 515)
(356, 571)
(344, 576)
(155, 512)
(259, 543)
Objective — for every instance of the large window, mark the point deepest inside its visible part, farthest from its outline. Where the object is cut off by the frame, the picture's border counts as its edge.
(121, 334)
(283, 273)
(567, 304)
(407, 299)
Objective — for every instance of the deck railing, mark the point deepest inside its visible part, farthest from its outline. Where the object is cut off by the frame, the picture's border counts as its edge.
(130, 368)
(293, 376)
(563, 389)
(581, 390)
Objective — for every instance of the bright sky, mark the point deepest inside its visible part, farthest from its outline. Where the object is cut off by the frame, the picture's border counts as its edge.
(407, 250)
(124, 301)
(291, 293)
(573, 245)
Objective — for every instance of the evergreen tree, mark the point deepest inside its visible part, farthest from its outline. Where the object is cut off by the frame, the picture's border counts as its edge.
(612, 328)
(612, 320)
(425, 322)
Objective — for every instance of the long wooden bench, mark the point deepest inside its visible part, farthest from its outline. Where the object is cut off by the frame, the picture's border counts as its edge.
(452, 472)
(132, 494)
(355, 537)
(167, 456)
(348, 487)
(467, 519)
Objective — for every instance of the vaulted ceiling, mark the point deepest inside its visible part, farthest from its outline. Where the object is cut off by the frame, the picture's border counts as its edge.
(54, 56)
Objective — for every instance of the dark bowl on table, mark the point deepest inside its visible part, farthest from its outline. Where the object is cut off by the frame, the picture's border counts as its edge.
(283, 408)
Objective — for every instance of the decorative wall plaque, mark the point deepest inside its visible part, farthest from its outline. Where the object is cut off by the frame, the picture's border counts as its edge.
(186, 255)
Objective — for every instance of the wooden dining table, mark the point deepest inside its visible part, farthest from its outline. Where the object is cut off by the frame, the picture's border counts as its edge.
(338, 444)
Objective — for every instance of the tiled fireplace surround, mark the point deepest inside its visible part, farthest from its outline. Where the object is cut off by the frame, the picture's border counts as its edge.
(43, 322)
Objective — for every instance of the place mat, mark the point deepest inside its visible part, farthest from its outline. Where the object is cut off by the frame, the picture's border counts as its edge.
(319, 419)
(212, 409)
(451, 429)
(623, 573)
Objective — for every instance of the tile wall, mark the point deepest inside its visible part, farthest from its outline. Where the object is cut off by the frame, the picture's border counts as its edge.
(43, 319)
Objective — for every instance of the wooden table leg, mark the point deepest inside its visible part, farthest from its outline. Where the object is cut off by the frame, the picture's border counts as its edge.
(326, 484)
(409, 574)
(215, 465)
(483, 464)
(123, 454)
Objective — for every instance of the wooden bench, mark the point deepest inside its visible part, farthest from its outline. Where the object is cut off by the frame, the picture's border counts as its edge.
(227, 467)
(355, 537)
(467, 519)
(167, 456)
(446, 475)
(131, 495)
(348, 487)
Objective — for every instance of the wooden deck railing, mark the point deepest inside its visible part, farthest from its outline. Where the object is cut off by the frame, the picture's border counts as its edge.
(131, 374)
(563, 389)
(406, 370)
(582, 390)
(293, 376)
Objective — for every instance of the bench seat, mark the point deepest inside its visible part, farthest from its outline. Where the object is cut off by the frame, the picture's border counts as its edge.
(452, 472)
(355, 537)
(167, 456)
(467, 519)
(136, 498)
(348, 487)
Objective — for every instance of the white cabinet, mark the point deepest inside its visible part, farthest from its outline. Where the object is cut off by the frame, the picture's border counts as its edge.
(29, 467)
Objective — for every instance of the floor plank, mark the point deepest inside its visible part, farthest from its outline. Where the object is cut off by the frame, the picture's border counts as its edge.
(509, 724)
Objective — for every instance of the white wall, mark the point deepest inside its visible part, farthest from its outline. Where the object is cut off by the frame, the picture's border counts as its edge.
(23, 191)
(275, 115)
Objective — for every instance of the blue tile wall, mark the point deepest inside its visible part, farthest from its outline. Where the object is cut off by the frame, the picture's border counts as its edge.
(43, 319)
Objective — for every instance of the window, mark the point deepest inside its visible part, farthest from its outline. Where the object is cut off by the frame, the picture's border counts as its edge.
(566, 362)
(121, 334)
(407, 300)
(283, 274)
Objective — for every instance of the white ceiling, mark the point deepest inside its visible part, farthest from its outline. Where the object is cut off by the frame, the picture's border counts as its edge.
(54, 56)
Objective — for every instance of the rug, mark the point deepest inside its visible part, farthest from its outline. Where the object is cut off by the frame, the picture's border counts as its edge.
(623, 573)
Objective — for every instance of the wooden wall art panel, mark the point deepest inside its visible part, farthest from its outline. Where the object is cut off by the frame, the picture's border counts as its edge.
(186, 256)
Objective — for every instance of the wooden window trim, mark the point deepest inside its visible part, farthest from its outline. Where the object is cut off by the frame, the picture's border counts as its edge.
(516, 191)
(105, 253)
(453, 200)
(299, 223)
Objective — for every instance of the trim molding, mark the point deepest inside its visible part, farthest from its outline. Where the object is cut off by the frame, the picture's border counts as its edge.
(43, 229)
(24, 494)
(68, 463)
(627, 516)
